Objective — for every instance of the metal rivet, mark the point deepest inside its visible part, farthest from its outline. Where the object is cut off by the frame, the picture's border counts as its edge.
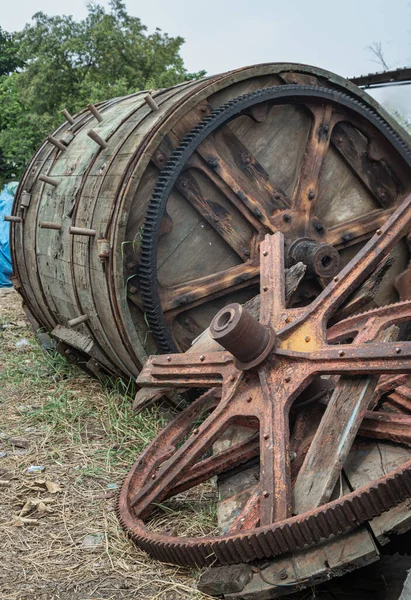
(232, 378)
(168, 358)
(286, 218)
(335, 279)
(287, 379)
(195, 431)
(378, 232)
(341, 352)
(132, 289)
(265, 494)
(249, 399)
(307, 338)
(398, 350)
(266, 436)
(283, 575)
(311, 195)
(202, 357)
(265, 253)
(265, 288)
(153, 476)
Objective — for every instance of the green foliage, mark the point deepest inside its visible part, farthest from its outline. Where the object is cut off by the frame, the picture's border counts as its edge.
(62, 63)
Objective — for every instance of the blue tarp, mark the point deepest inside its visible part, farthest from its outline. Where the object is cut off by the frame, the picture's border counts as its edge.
(6, 202)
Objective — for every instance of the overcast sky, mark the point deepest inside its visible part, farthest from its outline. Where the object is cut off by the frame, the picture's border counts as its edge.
(225, 34)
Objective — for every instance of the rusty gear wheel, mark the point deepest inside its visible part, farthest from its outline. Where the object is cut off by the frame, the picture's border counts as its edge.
(282, 513)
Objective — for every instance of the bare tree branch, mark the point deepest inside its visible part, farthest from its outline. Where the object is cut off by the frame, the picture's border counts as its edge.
(377, 51)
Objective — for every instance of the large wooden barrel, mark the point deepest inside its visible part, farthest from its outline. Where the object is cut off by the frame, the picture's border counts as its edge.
(83, 207)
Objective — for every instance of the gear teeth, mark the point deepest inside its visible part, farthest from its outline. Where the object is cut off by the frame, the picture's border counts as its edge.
(174, 166)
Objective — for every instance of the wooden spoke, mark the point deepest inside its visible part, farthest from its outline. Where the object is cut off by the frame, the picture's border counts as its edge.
(357, 230)
(207, 287)
(224, 220)
(241, 171)
(375, 175)
(306, 190)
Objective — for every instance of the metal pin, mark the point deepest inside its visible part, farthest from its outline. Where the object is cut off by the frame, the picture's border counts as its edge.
(96, 138)
(25, 199)
(49, 180)
(151, 102)
(12, 219)
(103, 246)
(56, 143)
(48, 225)
(95, 112)
(77, 320)
(82, 231)
(67, 115)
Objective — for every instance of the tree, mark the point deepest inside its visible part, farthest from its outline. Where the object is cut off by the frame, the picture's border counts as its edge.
(64, 63)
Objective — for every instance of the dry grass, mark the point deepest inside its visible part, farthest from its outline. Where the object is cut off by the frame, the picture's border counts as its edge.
(87, 438)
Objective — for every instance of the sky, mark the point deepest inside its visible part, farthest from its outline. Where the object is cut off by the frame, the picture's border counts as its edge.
(224, 34)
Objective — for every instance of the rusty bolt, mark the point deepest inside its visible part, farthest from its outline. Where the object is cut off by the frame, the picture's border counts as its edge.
(266, 436)
(378, 232)
(265, 494)
(246, 253)
(335, 279)
(258, 212)
(265, 253)
(160, 157)
(132, 289)
(286, 218)
(186, 321)
(341, 352)
(213, 162)
(249, 399)
(153, 476)
(318, 227)
(283, 574)
(184, 183)
(202, 357)
(168, 358)
(307, 338)
(232, 378)
(247, 160)
(398, 350)
(311, 195)
(277, 195)
(195, 431)
(287, 379)
(265, 288)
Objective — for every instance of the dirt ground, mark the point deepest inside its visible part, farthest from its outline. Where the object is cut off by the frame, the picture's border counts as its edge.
(86, 438)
